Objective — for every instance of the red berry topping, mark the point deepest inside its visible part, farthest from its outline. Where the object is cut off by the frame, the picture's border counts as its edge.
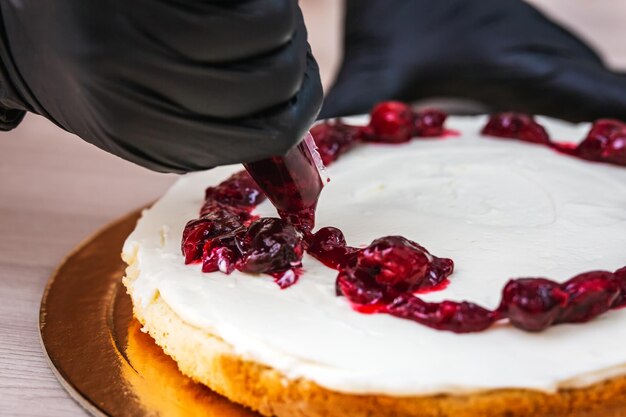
(606, 142)
(211, 207)
(429, 123)
(391, 122)
(389, 267)
(532, 304)
(334, 138)
(238, 190)
(328, 245)
(270, 245)
(395, 260)
(590, 294)
(221, 253)
(387, 275)
(198, 231)
(452, 316)
(516, 126)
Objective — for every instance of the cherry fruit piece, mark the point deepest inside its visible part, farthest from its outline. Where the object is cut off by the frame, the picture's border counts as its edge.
(391, 122)
(532, 304)
(329, 246)
(270, 245)
(429, 123)
(237, 190)
(395, 261)
(458, 317)
(221, 253)
(516, 126)
(605, 142)
(590, 294)
(388, 267)
(210, 207)
(198, 231)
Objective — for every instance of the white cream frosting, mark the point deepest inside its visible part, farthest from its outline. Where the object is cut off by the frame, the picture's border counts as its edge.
(499, 208)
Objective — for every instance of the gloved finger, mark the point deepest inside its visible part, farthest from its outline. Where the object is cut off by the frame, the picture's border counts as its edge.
(525, 80)
(153, 138)
(229, 90)
(215, 31)
(578, 91)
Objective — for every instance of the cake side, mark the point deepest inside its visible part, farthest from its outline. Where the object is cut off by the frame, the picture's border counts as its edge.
(208, 359)
(502, 209)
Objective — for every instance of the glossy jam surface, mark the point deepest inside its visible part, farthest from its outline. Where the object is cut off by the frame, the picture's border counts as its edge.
(227, 236)
(389, 267)
(396, 122)
(292, 183)
(605, 142)
(240, 190)
(391, 122)
(430, 123)
(328, 245)
(388, 275)
(516, 126)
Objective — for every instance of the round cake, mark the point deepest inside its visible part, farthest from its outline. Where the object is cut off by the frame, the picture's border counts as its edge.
(501, 209)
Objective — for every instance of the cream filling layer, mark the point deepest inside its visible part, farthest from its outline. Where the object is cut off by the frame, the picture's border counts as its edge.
(501, 209)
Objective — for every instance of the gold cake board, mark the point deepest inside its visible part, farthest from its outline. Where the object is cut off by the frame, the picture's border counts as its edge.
(96, 348)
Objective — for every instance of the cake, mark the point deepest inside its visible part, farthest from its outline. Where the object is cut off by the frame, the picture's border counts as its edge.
(500, 208)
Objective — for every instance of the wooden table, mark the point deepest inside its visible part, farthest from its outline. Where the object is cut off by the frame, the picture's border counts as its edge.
(56, 190)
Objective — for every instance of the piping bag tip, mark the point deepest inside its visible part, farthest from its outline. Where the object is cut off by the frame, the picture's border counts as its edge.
(317, 159)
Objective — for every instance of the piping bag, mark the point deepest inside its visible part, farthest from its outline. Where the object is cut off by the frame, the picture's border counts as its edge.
(293, 182)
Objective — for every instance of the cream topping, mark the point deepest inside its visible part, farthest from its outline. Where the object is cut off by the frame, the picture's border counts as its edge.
(501, 209)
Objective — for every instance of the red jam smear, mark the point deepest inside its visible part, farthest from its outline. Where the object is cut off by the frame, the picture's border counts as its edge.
(605, 142)
(452, 316)
(388, 275)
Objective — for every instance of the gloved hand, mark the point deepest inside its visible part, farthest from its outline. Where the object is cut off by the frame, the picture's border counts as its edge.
(502, 53)
(174, 86)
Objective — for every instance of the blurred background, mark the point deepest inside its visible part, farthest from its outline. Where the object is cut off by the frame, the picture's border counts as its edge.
(55, 190)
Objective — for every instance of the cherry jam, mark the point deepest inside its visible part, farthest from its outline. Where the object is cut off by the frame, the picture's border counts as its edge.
(605, 142)
(387, 276)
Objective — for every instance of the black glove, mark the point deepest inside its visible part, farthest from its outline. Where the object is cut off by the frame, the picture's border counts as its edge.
(171, 85)
(502, 53)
